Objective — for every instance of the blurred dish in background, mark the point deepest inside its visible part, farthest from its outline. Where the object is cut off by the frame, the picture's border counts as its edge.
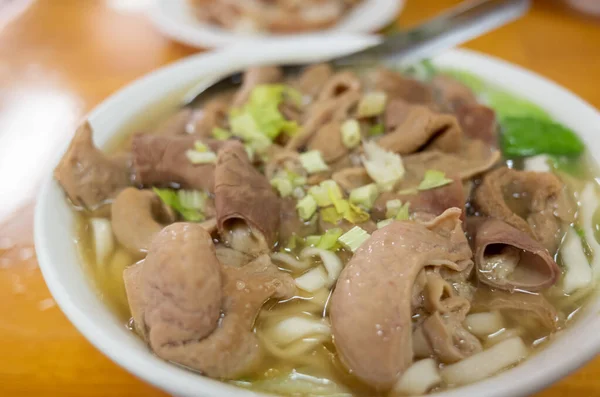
(591, 7)
(229, 22)
(279, 16)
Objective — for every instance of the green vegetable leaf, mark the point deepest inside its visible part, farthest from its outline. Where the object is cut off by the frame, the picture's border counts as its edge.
(171, 198)
(377, 129)
(526, 136)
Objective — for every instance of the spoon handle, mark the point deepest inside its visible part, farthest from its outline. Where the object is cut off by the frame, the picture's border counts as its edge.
(459, 24)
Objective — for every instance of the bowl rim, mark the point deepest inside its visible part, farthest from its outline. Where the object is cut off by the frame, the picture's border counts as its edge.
(556, 360)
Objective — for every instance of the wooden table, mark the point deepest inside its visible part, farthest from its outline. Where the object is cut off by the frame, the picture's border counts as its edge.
(60, 58)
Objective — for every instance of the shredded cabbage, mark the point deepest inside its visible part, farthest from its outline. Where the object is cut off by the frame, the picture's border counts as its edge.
(260, 118)
(384, 167)
(331, 261)
(313, 280)
(171, 198)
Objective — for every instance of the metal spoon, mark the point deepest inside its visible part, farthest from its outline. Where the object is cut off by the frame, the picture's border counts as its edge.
(457, 25)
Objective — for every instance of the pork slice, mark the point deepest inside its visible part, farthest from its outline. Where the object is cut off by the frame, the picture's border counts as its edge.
(255, 76)
(509, 259)
(351, 178)
(397, 86)
(526, 304)
(328, 141)
(478, 122)
(88, 176)
(374, 340)
(473, 158)
(339, 84)
(432, 201)
(246, 204)
(174, 125)
(162, 161)
(312, 79)
(337, 108)
(413, 128)
(138, 216)
(528, 201)
(452, 93)
(212, 114)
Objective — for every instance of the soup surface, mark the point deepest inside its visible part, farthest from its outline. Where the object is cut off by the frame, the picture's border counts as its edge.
(341, 232)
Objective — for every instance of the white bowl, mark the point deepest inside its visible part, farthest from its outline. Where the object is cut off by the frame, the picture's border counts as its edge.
(59, 261)
(175, 18)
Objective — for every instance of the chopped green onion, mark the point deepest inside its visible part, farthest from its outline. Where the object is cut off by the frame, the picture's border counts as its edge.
(306, 207)
(196, 157)
(292, 243)
(384, 167)
(201, 147)
(250, 152)
(328, 241)
(172, 198)
(312, 241)
(283, 186)
(335, 195)
(372, 104)
(329, 214)
(350, 133)
(355, 214)
(320, 194)
(377, 129)
(298, 192)
(353, 238)
(221, 134)
(392, 207)
(364, 196)
(403, 213)
(433, 179)
(384, 223)
(313, 162)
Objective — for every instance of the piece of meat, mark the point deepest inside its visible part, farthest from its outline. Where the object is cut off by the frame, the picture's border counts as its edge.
(247, 206)
(138, 216)
(529, 305)
(284, 160)
(322, 112)
(255, 76)
(351, 178)
(478, 122)
(452, 93)
(413, 128)
(529, 201)
(338, 84)
(213, 114)
(473, 158)
(196, 312)
(374, 340)
(449, 341)
(162, 161)
(397, 86)
(174, 125)
(312, 79)
(369, 226)
(328, 141)
(88, 176)
(509, 259)
(432, 201)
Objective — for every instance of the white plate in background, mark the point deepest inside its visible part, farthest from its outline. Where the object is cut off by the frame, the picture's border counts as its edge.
(176, 19)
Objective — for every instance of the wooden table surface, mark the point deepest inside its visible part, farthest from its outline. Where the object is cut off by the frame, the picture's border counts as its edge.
(60, 58)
